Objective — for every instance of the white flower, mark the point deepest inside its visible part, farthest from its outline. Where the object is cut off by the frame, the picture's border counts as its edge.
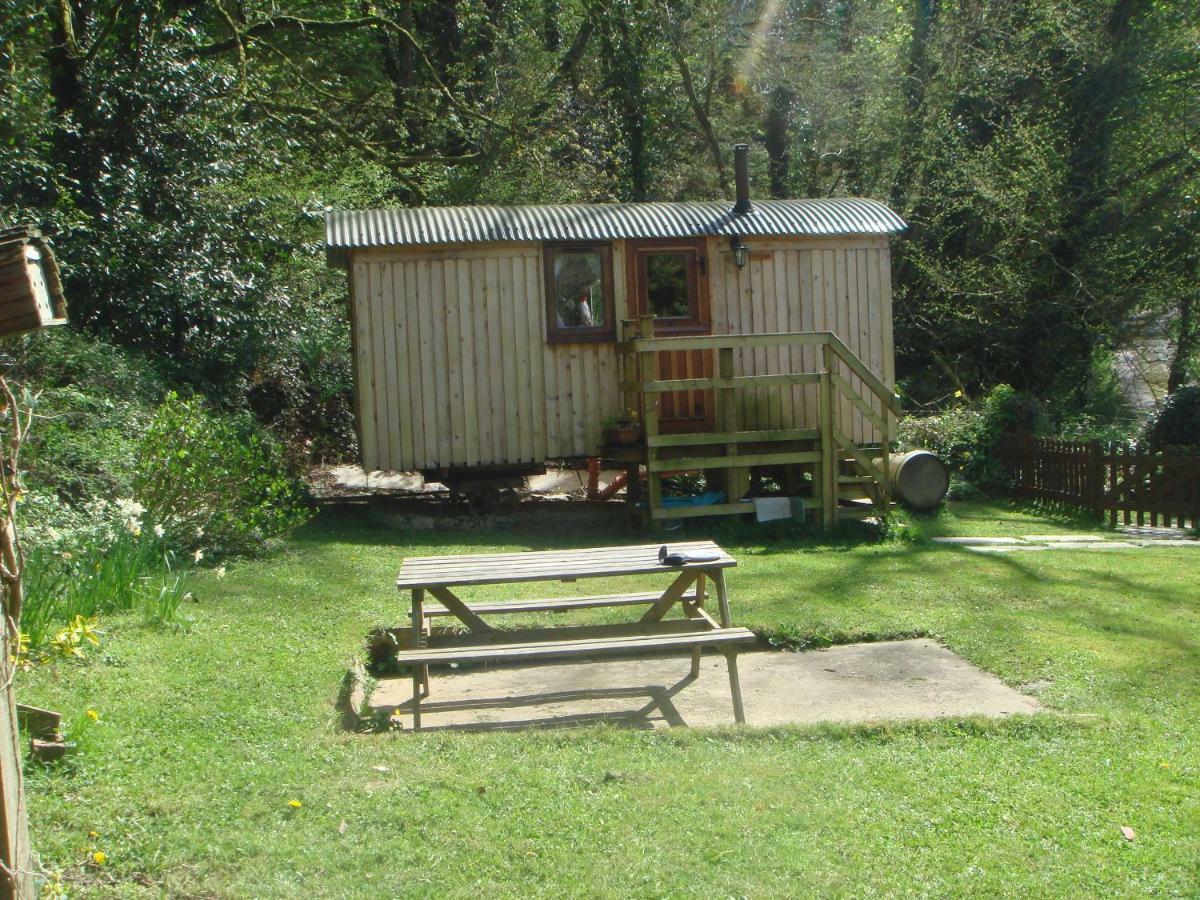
(159, 531)
(199, 532)
(198, 555)
(130, 509)
(220, 571)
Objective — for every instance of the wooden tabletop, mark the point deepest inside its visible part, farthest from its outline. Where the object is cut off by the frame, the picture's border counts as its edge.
(551, 565)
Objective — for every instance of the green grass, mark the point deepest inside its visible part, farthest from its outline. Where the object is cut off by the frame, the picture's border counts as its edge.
(205, 735)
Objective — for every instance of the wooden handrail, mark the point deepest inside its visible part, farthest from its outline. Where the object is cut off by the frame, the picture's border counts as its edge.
(869, 378)
(775, 339)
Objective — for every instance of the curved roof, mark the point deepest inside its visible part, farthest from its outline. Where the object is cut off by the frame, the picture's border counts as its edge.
(585, 222)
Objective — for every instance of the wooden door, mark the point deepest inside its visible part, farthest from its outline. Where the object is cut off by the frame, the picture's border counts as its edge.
(669, 279)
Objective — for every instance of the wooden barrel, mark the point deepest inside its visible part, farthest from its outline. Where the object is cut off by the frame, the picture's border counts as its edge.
(919, 479)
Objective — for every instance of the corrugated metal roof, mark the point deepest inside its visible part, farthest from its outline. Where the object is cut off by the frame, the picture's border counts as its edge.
(585, 222)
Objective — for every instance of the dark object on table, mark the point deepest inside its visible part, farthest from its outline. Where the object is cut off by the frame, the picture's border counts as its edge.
(683, 557)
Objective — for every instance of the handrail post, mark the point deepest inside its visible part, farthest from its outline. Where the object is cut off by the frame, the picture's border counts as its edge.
(829, 478)
(736, 479)
(648, 371)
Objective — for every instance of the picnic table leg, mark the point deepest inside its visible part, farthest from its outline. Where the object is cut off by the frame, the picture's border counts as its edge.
(735, 684)
(698, 603)
(718, 577)
(735, 687)
(420, 673)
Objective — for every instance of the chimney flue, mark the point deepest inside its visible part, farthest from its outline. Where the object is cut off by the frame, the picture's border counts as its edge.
(741, 174)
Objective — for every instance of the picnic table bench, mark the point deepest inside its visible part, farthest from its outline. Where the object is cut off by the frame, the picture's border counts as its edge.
(652, 632)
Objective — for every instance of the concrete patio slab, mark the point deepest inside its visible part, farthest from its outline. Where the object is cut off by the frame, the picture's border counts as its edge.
(914, 679)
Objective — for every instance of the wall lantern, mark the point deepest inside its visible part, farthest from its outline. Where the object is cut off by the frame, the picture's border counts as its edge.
(740, 251)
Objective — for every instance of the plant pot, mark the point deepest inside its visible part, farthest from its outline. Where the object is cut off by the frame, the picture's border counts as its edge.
(624, 435)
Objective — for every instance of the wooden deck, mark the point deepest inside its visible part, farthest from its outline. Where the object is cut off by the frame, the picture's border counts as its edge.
(834, 473)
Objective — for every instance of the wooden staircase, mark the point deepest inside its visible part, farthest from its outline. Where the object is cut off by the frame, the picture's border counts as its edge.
(811, 455)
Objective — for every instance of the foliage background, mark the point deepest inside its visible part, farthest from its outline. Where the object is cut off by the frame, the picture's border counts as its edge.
(180, 156)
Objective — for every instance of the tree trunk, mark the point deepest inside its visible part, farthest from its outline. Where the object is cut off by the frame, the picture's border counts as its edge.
(775, 139)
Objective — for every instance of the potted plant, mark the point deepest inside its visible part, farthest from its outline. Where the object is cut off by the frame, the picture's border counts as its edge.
(624, 430)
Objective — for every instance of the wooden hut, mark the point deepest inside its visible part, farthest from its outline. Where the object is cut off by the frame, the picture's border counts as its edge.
(489, 340)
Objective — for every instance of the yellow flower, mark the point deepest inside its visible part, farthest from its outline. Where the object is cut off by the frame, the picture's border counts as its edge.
(93, 715)
(99, 858)
(1164, 765)
(958, 393)
(93, 834)
(295, 804)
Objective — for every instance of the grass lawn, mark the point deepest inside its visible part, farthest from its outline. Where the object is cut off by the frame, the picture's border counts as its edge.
(206, 734)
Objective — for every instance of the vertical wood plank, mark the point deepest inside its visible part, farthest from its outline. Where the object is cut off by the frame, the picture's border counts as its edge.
(808, 359)
(468, 356)
(455, 351)
(537, 344)
(856, 422)
(402, 453)
(758, 326)
(874, 329)
(578, 404)
(441, 363)
(495, 326)
(784, 354)
(511, 411)
(483, 362)
(521, 310)
(427, 361)
(397, 392)
(841, 302)
(365, 367)
(885, 311)
(745, 358)
(379, 329)
(594, 390)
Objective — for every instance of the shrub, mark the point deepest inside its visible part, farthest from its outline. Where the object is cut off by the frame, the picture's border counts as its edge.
(1177, 423)
(94, 400)
(965, 437)
(115, 565)
(216, 482)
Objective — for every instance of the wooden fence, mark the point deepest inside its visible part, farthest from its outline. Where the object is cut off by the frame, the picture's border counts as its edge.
(1124, 484)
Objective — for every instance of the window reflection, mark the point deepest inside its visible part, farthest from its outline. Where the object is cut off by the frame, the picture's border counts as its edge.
(578, 289)
(667, 285)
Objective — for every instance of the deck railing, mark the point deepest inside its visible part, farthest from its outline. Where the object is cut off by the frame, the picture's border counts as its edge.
(838, 364)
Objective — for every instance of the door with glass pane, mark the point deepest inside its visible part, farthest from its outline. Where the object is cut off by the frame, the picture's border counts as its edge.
(668, 279)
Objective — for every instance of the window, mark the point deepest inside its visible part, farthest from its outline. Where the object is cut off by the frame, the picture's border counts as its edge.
(667, 288)
(579, 305)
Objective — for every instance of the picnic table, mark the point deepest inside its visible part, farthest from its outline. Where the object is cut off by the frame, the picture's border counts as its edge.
(696, 629)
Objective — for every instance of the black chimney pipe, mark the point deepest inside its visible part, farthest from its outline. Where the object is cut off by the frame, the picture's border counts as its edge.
(741, 174)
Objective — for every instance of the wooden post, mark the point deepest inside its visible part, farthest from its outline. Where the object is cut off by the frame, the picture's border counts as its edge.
(648, 371)
(885, 459)
(1095, 478)
(829, 467)
(420, 673)
(16, 880)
